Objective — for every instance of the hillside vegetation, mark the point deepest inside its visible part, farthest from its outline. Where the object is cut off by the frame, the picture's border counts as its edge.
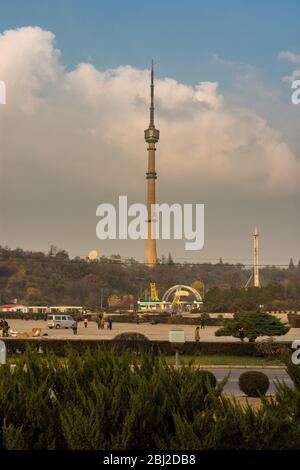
(53, 278)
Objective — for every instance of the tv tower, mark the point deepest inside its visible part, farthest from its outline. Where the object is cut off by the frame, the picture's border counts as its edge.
(151, 137)
(255, 275)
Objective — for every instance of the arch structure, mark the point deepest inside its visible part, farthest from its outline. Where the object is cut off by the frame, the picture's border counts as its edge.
(180, 287)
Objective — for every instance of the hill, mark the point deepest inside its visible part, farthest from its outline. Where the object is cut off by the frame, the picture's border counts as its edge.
(37, 278)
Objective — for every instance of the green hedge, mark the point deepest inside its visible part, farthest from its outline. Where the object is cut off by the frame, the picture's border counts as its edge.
(34, 316)
(294, 320)
(106, 401)
(167, 319)
(23, 316)
(58, 346)
(123, 318)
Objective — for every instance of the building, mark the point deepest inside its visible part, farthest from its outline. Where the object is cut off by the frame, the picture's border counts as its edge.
(16, 308)
(151, 137)
(154, 306)
(65, 309)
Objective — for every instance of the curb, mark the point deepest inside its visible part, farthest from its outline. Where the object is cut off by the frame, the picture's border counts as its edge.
(228, 366)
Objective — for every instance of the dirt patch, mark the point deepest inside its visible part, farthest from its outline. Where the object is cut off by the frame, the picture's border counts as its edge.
(245, 401)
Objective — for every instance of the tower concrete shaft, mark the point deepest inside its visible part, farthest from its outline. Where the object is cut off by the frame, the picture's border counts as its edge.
(256, 259)
(151, 137)
(254, 279)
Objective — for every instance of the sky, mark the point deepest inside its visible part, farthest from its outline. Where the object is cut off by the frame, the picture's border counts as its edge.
(71, 132)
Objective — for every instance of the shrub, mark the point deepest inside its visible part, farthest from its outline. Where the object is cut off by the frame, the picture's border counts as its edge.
(102, 400)
(254, 324)
(254, 383)
(58, 346)
(205, 316)
(270, 348)
(294, 320)
(131, 336)
(207, 379)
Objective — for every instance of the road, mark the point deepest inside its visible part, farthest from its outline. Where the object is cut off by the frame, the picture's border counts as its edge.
(232, 386)
(153, 332)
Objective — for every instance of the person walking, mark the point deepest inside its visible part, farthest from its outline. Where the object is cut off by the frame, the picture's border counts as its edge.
(5, 328)
(98, 321)
(197, 334)
(75, 327)
(85, 321)
(110, 323)
(202, 322)
(242, 334)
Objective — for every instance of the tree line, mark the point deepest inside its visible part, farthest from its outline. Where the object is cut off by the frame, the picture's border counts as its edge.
(38, 278)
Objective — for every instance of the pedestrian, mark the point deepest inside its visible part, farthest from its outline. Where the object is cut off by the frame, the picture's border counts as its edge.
(98, 321)
(197, 334)
(5, 328)
(75, 327)
(110, 323)
(202, 322)
(102, 323)
(242, 334)
(85, 322)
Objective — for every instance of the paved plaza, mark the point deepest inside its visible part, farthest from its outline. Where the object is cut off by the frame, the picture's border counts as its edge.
(153, 332)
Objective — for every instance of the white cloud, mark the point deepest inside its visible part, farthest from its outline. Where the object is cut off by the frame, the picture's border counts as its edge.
(29, 63)
(84, 129)
(239, 67)
(290, 56)
(294, 59)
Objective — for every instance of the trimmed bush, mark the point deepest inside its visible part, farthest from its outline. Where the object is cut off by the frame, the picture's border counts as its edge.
(207, 379)
(131, 336)
(254, 383)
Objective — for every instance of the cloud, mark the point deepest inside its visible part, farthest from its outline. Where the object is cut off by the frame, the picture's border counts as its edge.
(71, 139)
(238, 67)
(29, 63)
(294, 59)
(290, 56)
(76, 121)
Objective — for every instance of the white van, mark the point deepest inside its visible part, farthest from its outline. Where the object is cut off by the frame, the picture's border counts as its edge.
(60, 321)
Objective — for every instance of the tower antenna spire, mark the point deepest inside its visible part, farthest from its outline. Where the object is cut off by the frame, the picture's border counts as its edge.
(152, 97)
